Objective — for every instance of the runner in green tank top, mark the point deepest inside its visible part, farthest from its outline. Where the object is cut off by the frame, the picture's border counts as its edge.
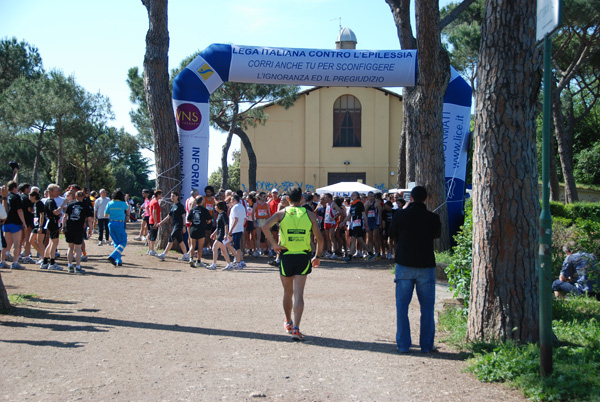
(296, 224)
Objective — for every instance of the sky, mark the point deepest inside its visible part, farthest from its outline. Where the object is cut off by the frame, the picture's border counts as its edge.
(99, 41)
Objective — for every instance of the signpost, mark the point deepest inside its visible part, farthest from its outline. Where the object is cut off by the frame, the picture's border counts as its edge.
(549, 15)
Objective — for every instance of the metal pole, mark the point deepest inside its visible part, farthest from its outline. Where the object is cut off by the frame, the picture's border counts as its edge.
(545, 250)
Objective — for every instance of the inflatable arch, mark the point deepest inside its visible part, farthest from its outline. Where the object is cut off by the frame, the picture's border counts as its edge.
(219, 63)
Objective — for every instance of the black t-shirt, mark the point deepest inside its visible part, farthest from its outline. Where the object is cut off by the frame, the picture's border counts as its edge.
(26, 204)
(221, 222)
(356, 211)
(176, 213)
(38, 210)
(77, 212)
(49, 208)
(14, 204)
(199, 217)
(386, 217)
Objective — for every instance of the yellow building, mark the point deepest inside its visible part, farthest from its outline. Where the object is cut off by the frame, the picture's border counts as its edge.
(330, 134)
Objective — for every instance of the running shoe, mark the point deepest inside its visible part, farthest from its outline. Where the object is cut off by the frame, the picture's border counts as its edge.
(371, 257)
(3, 265)
(55, 267)
(184, 257)
(212, 266)
(112, 261)
(9, 257)
(192, 263)
(16, 265)
(160, 256)
(274, 263)
(80, 271)
(227, 267)
(297, 335)
(44, 265)
(289, 326)
(138, 238)
(255, 254)
(84, 258)
(200, 264)
(57, 255)
(29, 260)
(242, 265)
(348, 258)
(71, 270)
(334, 256)
(152, 253)
(236, 266)
(100, 243)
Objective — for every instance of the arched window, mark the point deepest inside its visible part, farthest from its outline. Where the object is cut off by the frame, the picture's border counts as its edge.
(346, 122)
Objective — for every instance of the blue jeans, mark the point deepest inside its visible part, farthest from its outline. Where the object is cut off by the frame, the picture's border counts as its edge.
(119, 237)
(406, 279)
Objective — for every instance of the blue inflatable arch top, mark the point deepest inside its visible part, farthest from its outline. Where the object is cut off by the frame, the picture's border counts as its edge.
(220, 63)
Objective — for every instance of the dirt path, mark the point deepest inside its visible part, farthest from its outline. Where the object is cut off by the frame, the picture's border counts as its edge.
(154, 330)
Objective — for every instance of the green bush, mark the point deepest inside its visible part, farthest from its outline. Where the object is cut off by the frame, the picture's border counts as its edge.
(584, 210)
(576, 355)
(459, 270)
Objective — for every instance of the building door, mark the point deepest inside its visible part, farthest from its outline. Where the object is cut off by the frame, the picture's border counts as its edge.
(333, 178)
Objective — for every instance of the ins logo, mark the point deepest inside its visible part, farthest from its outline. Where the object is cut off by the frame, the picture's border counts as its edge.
(188, 117)
(205, 71)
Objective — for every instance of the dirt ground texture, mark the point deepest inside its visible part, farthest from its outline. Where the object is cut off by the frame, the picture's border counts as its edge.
(153, 330)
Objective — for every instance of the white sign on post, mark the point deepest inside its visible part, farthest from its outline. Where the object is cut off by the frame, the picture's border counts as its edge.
(548, 17)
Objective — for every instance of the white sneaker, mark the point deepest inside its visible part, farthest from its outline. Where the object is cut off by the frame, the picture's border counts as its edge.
(138, 238)
(227, 267)
(212, 266)
(160, 256)
(200, 264)
(152, 253)
(100, 243)
(185, 258)
(55, 267)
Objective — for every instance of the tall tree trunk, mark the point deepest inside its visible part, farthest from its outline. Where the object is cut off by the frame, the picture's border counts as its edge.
(406, 164)
(504, 287)
(224, 166)
(434, 75)
(59, 158)
(38, 153)
(158, 98)
(252, 162)
(423, 104)
(564, 140)
(554, 184)
(4, 302)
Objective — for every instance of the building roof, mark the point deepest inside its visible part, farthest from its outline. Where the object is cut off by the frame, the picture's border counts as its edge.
(346, 35)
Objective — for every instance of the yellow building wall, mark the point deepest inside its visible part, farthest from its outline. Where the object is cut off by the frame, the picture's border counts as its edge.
(295, 146)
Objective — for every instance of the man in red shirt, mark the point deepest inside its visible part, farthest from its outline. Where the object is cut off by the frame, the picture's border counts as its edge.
(154, 219)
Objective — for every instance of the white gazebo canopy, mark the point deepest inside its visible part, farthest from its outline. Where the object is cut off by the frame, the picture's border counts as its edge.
(347, 188)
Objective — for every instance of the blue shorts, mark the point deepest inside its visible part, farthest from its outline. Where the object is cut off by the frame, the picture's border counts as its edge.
(565, 287)
(12, 228)
(236, 239)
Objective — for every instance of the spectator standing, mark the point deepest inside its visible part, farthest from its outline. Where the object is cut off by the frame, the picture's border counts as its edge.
(14, 226)
(99, 213)
(237, 218)
(220, 237)
(415, 229)
(117, 212)
(153, 219)
(177, 217)
(52, 211)
(77, 216)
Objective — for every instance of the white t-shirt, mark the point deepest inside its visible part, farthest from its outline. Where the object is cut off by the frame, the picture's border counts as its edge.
(238, 211)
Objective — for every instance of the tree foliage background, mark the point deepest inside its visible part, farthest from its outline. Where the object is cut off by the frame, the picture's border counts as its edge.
(58, 132)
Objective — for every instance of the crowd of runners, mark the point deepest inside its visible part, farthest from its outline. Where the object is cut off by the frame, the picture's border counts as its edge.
(211, 225)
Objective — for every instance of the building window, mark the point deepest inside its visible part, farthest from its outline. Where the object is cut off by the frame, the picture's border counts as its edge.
(346, 122)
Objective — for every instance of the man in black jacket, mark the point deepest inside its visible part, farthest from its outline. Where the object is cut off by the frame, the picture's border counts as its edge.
(414, 229)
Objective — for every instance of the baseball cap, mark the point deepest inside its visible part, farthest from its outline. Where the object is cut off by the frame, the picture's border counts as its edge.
(274, 190)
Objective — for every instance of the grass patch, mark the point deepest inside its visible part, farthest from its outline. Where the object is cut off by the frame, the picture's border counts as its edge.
(21, 298)
(576, 357)
(444, 257)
